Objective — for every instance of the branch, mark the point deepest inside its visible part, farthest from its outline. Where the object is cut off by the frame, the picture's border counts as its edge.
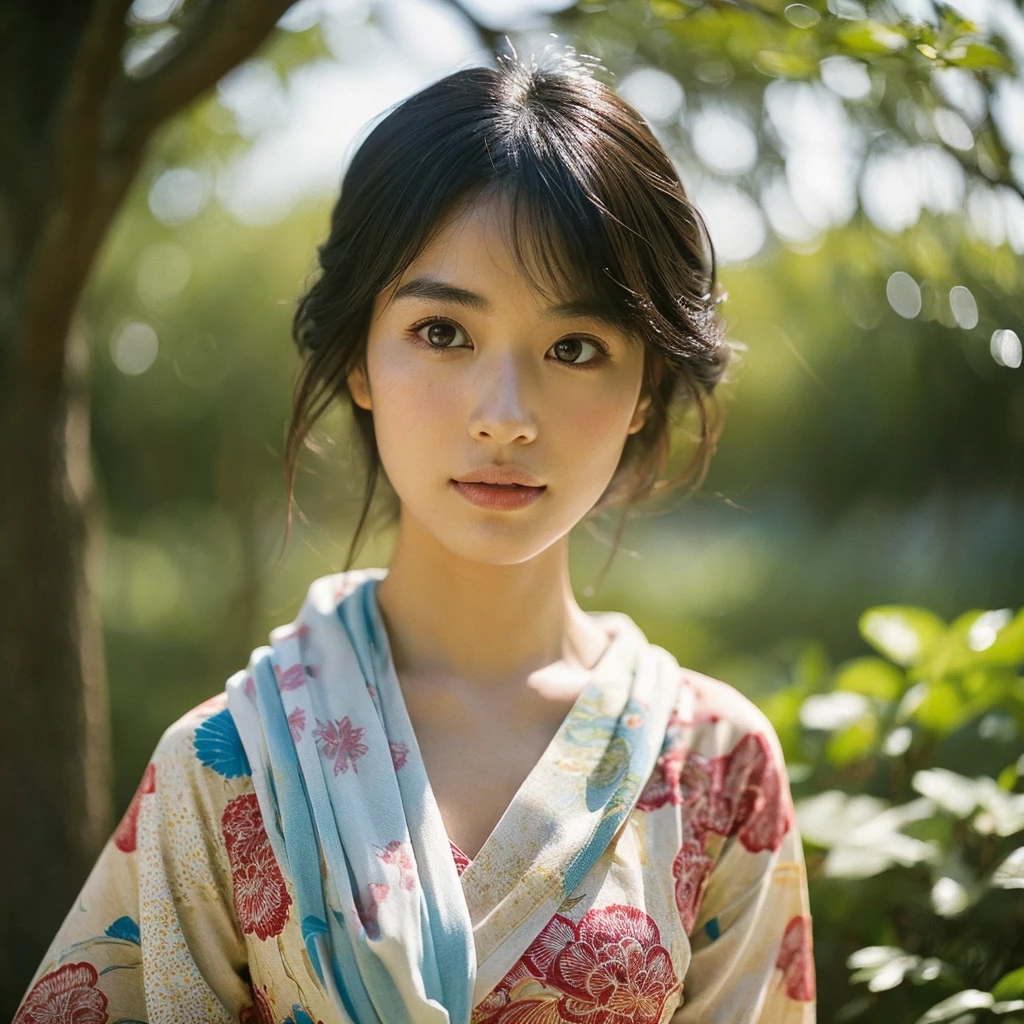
(38, 352)
(215, 38)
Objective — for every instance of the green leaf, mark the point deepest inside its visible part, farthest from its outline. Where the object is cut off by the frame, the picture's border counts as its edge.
(954, 1006)
(871, 37)
(942, 709)
(872, 677)
(903, 634)
(977, 56)
(784, 64)
(853, 743)
(1010, 986)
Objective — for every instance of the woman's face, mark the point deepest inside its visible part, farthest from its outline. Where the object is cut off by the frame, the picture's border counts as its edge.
(470, 368)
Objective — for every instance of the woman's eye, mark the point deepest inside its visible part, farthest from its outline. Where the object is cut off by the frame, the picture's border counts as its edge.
(569, 350)
(440, 334)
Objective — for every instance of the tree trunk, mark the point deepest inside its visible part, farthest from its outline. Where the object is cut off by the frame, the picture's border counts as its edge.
(73, 129)
(54, 731)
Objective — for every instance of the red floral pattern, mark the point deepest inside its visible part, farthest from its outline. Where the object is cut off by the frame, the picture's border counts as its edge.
(261, 1012)
(739, 793)
(609, 968)
(796, 960)
(125, 835)
(67, 995)
(261, 897)
(461, 860)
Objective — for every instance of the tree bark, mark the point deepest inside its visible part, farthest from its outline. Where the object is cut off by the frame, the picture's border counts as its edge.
(73, 129)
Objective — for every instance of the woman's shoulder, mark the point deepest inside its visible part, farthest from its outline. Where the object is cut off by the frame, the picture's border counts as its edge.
(204, 737)
(723, 714)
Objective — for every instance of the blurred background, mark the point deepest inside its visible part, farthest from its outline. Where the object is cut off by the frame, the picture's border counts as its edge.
(861, 169)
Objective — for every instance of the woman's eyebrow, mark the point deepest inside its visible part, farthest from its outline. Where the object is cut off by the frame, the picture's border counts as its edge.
(442, 291)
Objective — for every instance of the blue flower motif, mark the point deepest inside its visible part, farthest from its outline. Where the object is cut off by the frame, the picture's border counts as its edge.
(125, 928)
(219, 746)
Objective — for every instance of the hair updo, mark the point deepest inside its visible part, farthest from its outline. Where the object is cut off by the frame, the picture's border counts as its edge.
(593, 197)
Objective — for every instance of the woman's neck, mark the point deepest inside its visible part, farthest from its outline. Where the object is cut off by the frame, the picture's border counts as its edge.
(492, 624)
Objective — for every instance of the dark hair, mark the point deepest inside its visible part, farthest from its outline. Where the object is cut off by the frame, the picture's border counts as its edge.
(586, 178)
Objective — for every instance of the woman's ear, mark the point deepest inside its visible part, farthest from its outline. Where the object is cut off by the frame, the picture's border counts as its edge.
(359, 387)
(643, 406)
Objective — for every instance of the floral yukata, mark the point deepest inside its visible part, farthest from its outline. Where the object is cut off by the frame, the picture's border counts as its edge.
(284, 861)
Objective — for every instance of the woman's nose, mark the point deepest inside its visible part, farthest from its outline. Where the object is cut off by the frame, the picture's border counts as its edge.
(501, 406)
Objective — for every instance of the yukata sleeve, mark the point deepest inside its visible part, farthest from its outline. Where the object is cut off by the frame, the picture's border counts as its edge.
(152, 938)
(752, 958)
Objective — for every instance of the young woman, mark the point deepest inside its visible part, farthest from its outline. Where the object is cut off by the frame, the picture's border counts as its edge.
(444, 793)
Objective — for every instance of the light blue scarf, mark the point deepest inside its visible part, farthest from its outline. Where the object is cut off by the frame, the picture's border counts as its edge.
(350, 816)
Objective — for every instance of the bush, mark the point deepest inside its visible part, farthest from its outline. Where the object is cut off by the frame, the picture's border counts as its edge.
(908, 771)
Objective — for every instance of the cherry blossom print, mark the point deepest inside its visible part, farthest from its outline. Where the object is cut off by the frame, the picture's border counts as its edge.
(261, 896)
(461, 860)
(296, 723)
(796, 960)
(342, 741)
(399, 855)
(68, 994)
(125, 835)
(399, 755)
(690, 869)
(610, 968)
(291, 678)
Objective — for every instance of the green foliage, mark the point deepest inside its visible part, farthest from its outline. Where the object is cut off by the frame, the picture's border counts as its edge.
(910, 796)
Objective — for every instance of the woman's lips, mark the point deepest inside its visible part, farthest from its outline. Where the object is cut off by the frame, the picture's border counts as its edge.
(504, 497)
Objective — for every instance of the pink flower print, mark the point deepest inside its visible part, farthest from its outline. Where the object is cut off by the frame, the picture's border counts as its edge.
(366, 908)
(296, 723)
(66, 994)
(291, 678)
(126, 832)
(249, 688)
(342, 741)
(399, 755)
(399, 855)
(796, 960)
(261, 896)
(690, 869)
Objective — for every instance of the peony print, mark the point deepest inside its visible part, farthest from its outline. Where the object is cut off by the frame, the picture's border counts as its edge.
(796, 960)
(296, 723)
(125, 835)
(690, 870)
(261, 897)
(66, 994)
(342, 741)
(610, 968)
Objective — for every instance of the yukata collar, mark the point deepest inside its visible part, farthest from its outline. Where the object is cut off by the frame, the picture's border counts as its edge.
(393, 932)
